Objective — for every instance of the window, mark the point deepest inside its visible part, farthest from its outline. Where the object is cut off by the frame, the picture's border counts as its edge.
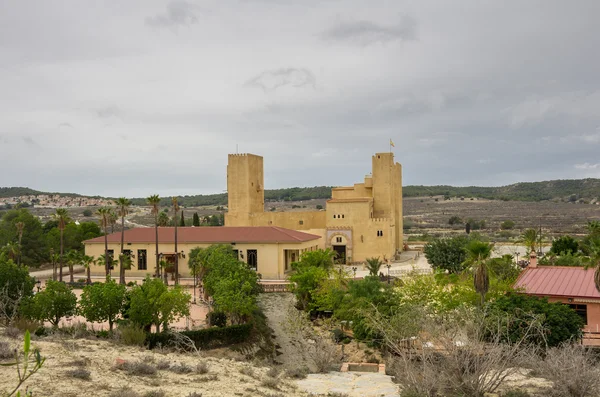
(338, 239)
(127, 252)
(142, 261)
(581, 310)
(236, 254)
(252, 259)
(301, 222)
(111, 255)
(333, 216)
(342, 216)
(379, 233)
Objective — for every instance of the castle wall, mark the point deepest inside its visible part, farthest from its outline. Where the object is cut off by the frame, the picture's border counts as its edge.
(290, 220)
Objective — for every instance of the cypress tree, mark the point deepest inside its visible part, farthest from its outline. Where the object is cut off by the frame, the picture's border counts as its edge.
(196, 219)
(182, 222)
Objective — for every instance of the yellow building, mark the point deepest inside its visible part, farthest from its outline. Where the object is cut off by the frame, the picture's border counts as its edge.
(269, 250)
(360, 221)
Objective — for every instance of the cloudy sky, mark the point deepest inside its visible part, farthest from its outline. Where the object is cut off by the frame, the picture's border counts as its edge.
(149, 96)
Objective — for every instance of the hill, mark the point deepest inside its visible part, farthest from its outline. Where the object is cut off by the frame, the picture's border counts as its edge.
(565, 190)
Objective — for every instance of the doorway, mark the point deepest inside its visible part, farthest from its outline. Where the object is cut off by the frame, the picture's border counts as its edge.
(340, 254)
(252, 259)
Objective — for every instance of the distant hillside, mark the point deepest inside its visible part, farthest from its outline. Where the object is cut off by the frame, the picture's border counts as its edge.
(568, 190)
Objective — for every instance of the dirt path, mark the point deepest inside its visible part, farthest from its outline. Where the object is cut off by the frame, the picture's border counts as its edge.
(291, 352)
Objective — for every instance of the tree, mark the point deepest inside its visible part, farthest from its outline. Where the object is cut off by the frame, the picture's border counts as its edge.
(87, 262)
(51, 304)
(373, 265)
(104, 213)
(559, 321)
(112, 219)
(152, 303)
(478, 252)
(182, 221)
(530, 239)
(154, 202)
(62, 217)
(564, 245)
(163, 219)
(87, 212)
(19, 226)
(447, 254)
(507, 225)
(123, 205)
(31, 245)
(175, 210)
(455, 220)
(196, 219)
(306, 281)
(103, 301)
(15, 284)
(73, 257)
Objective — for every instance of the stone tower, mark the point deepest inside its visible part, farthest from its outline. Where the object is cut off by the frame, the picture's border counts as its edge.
(387, 192)
(245, 184)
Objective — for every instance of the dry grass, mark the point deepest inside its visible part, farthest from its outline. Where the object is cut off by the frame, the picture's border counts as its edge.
(6, 350)
(270, 383)
(155, 393)
(202, 368)
(248, 371)
(181, 368)
(124, 391)
(138, 368)
(79, 373)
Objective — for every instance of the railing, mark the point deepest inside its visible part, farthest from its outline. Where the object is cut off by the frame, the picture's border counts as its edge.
(404, 272)
(283, 287)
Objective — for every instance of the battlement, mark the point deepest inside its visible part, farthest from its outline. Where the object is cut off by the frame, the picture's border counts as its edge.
(380, 220)
(243, 155)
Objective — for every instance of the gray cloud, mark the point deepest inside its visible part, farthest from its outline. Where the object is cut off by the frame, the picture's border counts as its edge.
(364, 32)
(178, 13)
(270, 80)
(466, 100)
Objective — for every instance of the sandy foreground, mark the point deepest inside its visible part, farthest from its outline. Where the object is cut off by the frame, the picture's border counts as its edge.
(99, 357)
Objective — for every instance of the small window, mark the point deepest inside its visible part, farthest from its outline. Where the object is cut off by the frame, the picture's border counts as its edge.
(301, 222)
(379, 233)
(338, 216)
(333, 216)
(342, 216)
(338, 239)
(142, 260)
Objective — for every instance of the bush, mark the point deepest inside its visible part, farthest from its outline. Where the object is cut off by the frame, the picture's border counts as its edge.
(132, 335)
(217, 319)
(205, 338)
(564, 245)
(455, 220)
(138, 368)
(202, 368)
(6, 350)
(271, 383)
(297, 373)
(79, 373)
(181, 368)
(87, 212)
(507, 225)
(155, 393)
(56, 301)
(447, 254)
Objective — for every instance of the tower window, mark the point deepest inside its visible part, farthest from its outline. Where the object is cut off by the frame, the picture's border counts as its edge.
(342, 216)
(301, 222)
(380, 233)
(338, 239)
(334, 216)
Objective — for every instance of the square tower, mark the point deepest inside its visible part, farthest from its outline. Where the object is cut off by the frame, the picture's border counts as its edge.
(245, 184)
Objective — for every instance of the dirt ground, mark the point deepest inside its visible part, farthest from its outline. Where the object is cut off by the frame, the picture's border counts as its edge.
(225, 377)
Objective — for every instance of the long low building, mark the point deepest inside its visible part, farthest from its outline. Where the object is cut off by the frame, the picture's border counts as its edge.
(269, 250)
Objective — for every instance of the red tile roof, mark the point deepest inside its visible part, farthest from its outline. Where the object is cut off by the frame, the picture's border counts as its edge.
(558, 281)
(211, 235)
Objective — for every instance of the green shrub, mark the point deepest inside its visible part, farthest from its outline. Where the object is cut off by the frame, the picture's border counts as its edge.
(132, 335)
(103, 334)
(217, 319)
(507, 225)
(338, 335)
(206, 338)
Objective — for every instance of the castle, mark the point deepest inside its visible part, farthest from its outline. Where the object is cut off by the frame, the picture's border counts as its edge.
(359, 222)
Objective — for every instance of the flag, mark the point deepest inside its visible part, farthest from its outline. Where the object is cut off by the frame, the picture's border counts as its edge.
(392, 143)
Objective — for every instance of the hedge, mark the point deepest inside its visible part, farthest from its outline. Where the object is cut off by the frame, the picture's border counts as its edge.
(207, 338)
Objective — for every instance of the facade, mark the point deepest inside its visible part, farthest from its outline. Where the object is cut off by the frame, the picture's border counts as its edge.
(360, 221)
(269, 250)
(573, 286)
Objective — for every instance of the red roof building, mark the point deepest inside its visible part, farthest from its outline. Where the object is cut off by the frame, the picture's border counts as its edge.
(269, 250)
(573, 286)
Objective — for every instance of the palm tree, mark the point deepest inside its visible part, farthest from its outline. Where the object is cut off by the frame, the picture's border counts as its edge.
(62, 216)
(54, 258)
(478, 252)
(123, 210)
(73, 257)
(175, 210)
(113, 217)
(12, 250)
(20, 226)
(104, 213)
(154, 201)
(530, 238)
(87, 261)
(373, 265)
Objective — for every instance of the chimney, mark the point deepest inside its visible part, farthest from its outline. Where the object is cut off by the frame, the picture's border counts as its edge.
(532, 259)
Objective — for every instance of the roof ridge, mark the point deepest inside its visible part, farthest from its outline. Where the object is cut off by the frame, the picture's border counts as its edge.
(286, 232)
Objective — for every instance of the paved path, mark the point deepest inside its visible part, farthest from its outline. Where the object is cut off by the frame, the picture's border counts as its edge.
(352, 384)
(46, 274)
